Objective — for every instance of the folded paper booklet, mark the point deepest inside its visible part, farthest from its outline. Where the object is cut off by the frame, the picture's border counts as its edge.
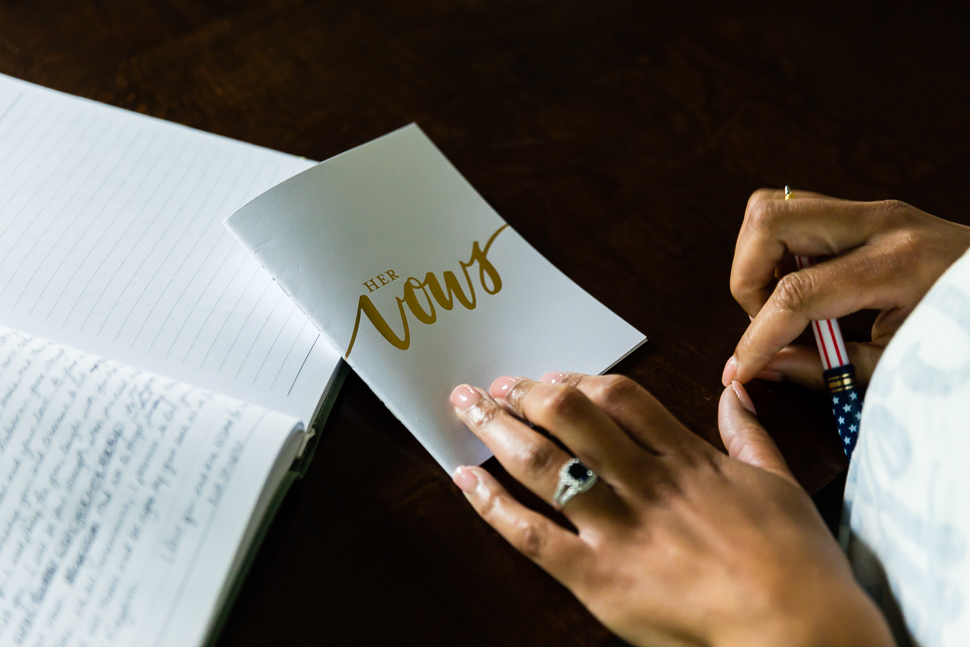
(421, 285)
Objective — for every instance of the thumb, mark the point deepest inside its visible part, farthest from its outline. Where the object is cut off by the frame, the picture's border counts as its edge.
(744, 437)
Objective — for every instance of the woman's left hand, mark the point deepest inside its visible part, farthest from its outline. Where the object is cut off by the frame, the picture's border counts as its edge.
(677, 543)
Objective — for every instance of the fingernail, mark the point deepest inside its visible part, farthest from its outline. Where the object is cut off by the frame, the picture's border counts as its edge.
(730, 370)
(464, 396)
(771, 376)
(465, 479)
(743, 397)
(552, 377)
(501, 387)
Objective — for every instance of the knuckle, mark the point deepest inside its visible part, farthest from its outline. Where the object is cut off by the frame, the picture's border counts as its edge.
(483, 413)
(664, 490)
(761, 215)
(759, 196)
(538, 457)
(906, 252)
(895, 215)
(571, 379)
(488, 504)
(615, 389)
(895, 210)
(530, 539)
(793, 291)
(562, 401)
(517, 393)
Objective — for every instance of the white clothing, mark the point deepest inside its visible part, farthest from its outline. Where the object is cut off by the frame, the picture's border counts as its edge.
(908, 489)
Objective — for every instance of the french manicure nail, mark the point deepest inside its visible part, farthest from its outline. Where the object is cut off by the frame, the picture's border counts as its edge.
(464, 396)
(552, 377)
(743, 397)
(501, 387)
(730, 370)
(465, 479)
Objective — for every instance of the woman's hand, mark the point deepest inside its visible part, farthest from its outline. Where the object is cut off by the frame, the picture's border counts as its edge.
(677, 543)
(882, 255)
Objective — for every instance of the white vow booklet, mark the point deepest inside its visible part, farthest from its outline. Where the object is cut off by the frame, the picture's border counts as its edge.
(421, 285)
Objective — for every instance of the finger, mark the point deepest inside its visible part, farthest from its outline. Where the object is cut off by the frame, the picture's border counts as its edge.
(744, 437)
(802, 365)
(773, 228)
(530, 458)
(799, 365)
(854, 281)
(631, 407)
(570, 416)
(558, 551)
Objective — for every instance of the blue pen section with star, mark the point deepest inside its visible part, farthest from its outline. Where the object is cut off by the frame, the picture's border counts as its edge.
(846, 404)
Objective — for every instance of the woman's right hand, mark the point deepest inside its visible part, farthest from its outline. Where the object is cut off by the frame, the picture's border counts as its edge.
(880, 255)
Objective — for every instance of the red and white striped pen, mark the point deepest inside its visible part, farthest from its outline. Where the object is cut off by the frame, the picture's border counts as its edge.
(828, 335)
(838, 371)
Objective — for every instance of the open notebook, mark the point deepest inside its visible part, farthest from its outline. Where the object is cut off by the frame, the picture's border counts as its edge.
(133, 487)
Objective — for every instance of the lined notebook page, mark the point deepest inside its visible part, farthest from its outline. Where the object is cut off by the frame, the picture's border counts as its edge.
(123, 498)
(111, 241)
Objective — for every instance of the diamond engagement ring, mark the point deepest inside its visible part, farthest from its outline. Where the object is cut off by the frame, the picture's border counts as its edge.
(574, 477)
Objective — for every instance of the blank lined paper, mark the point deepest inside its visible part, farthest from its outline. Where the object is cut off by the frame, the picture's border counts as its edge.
(111, 241)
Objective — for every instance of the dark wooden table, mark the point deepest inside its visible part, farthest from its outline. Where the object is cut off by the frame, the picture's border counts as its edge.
(620, 138)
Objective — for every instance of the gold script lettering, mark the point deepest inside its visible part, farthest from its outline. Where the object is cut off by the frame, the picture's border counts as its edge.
(420, 297)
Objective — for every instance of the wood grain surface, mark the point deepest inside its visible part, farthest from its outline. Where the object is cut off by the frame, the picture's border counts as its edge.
(622, 139)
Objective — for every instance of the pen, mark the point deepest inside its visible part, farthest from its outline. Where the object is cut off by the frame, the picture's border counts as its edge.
(839, 373)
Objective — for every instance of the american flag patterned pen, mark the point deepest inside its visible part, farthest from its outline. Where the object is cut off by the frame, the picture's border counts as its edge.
(839, 372)
(839, 375)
